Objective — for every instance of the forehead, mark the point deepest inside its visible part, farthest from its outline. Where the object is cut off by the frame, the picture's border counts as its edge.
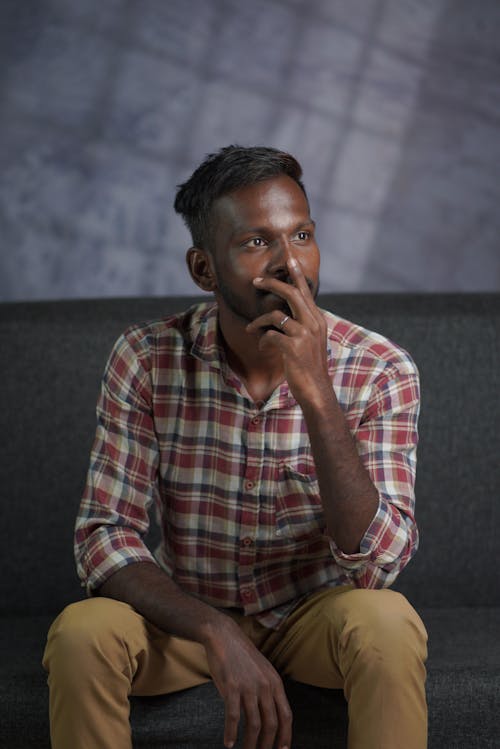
(277, 203)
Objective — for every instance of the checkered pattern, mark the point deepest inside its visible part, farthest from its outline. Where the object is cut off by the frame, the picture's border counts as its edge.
(233, 481)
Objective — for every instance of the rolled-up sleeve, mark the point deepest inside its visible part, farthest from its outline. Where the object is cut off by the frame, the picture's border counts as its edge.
(387, 440)
(122, 477)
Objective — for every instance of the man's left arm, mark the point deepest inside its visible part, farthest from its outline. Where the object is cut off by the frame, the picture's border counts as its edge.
(370, 523)
(375, 546)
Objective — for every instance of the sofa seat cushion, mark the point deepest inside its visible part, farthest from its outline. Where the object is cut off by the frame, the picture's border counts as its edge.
(463, 684)
(179, 720)
(463, 690)
(23, 684)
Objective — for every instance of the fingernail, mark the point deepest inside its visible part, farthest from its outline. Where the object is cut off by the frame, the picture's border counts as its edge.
(293, 264)
(258, 279)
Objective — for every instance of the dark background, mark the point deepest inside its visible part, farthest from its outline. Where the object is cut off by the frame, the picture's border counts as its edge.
(392, 106)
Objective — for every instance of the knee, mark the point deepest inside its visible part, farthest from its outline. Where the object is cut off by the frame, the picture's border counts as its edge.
(82, 632)
(382, 625)
(80, 622)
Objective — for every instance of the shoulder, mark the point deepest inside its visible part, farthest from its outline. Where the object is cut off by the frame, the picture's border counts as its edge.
(176, 332)
(162, 343)
(352, 342)
(371, 374)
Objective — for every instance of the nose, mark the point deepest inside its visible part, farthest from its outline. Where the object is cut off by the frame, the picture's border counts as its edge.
(282, 251)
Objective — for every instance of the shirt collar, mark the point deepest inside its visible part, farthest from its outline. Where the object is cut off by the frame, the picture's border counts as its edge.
(205, 335)
(207, 347)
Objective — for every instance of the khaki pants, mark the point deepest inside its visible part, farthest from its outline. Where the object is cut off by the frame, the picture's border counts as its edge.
(370, 643)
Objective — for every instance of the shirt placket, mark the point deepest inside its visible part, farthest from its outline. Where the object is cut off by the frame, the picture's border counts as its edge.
(250, 511)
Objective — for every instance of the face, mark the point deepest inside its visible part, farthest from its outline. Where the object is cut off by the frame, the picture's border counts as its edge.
(258, 228)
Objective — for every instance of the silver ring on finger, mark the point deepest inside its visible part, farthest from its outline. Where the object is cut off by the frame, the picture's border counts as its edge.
(287, 317)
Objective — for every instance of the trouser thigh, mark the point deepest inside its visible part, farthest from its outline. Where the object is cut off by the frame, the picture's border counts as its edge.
(314, 642)
(99, 652)
(370, 643)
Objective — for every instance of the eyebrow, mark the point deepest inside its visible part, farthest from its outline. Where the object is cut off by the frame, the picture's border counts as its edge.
(257, 230)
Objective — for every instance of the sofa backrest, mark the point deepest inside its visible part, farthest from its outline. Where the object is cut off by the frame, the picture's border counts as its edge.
(53, 354)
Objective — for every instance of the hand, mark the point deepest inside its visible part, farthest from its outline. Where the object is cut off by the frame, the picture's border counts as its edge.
(301, 339)
(248, 683)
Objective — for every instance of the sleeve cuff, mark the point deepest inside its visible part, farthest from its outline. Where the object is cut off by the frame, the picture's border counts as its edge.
(107, 555)
(371, 547)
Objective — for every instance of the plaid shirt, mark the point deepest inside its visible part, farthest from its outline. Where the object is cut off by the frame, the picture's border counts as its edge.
(233, 481)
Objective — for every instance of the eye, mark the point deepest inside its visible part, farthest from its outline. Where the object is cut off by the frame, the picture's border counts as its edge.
(303, 236)
(255, 242)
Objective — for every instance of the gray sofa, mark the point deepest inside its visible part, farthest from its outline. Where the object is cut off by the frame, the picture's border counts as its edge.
(52, 356)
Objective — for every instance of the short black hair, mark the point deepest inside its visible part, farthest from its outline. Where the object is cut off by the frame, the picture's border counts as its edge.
(223, 172)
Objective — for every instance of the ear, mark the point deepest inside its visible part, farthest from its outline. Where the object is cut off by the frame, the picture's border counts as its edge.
(201, 269)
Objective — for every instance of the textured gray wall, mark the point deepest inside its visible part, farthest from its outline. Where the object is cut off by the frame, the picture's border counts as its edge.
(392, 106)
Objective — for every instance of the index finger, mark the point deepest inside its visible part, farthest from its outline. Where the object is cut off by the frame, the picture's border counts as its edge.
(299, 279)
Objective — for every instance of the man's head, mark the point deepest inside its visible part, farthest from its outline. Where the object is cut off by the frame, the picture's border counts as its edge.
(222, 173)
(249, 216)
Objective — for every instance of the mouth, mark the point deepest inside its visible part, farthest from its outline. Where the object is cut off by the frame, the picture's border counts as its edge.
(263, 295)
(272, 301)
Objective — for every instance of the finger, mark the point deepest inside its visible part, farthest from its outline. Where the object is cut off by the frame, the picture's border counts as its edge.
(299, 300)
(285, 719)
(269, 718)
(300, 281)
(286, 291)
(277, 319)
(231, 719)
(252, 722)
(272, 339)
(297, 274)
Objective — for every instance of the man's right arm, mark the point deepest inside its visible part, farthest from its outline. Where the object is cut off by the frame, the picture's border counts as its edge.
(245, 679)
(113, 560)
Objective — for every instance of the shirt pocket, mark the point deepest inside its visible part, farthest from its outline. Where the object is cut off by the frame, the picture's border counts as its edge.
(299, 512)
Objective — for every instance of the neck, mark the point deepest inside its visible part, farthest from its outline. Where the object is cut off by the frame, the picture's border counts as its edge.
(261, 372)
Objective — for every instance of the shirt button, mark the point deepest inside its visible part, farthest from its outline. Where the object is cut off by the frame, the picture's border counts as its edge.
(256, 420)
(248, 595)
(247, 541)
(249, 485)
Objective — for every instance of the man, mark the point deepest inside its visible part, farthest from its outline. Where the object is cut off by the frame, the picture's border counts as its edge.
(277, 442)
